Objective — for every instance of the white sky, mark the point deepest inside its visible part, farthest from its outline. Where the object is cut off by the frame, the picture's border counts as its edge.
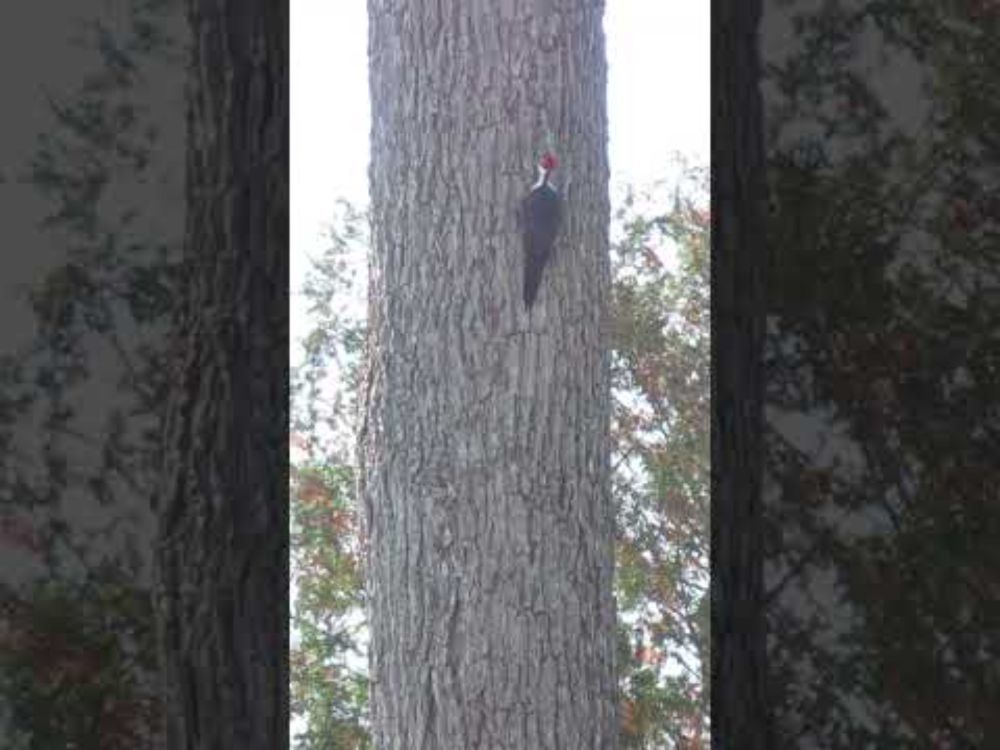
(658, 104)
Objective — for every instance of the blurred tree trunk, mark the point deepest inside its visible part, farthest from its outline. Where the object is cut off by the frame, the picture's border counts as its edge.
(484, 446)
(222, 499)
(739, 711)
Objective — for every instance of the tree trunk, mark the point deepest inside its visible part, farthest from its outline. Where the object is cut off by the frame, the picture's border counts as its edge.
(222, 562)
(485, 438)
(739, 713)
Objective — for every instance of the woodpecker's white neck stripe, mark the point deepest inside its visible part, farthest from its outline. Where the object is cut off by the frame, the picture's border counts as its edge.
(543, 175)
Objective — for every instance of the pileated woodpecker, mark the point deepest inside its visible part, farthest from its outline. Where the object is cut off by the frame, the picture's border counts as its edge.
(541, 213)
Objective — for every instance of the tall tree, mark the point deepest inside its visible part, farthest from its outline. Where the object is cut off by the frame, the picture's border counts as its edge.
(222, 496)
(484, 447)
(738, 677)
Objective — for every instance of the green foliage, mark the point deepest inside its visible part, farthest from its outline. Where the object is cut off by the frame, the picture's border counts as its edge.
(328, 671)
(326, 688)
(885, 218)
(661, 387)
(80, 670)
(325, 382)
(77, 664)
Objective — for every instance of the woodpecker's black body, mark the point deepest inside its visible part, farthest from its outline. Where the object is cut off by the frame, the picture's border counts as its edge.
(541, 214)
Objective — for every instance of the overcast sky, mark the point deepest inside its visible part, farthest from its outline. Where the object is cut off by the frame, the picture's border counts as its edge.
(658, 102)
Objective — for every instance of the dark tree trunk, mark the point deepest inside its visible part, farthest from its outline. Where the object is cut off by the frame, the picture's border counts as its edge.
(485, 442)
(222, 572)
(739, 712)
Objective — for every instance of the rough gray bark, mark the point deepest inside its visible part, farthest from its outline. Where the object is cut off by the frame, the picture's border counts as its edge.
(739, 710)
(484, 444)
(222, 554)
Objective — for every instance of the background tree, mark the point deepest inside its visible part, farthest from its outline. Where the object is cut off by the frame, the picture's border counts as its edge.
(485, 450)
(221, 553)
(101, 319)
(738, 676)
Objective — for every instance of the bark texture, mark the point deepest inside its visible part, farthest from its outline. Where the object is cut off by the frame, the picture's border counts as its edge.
(222, 552)
(739, 711)
(484, 444)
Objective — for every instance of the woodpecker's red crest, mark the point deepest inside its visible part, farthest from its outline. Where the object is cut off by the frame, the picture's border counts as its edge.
(548, 162)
